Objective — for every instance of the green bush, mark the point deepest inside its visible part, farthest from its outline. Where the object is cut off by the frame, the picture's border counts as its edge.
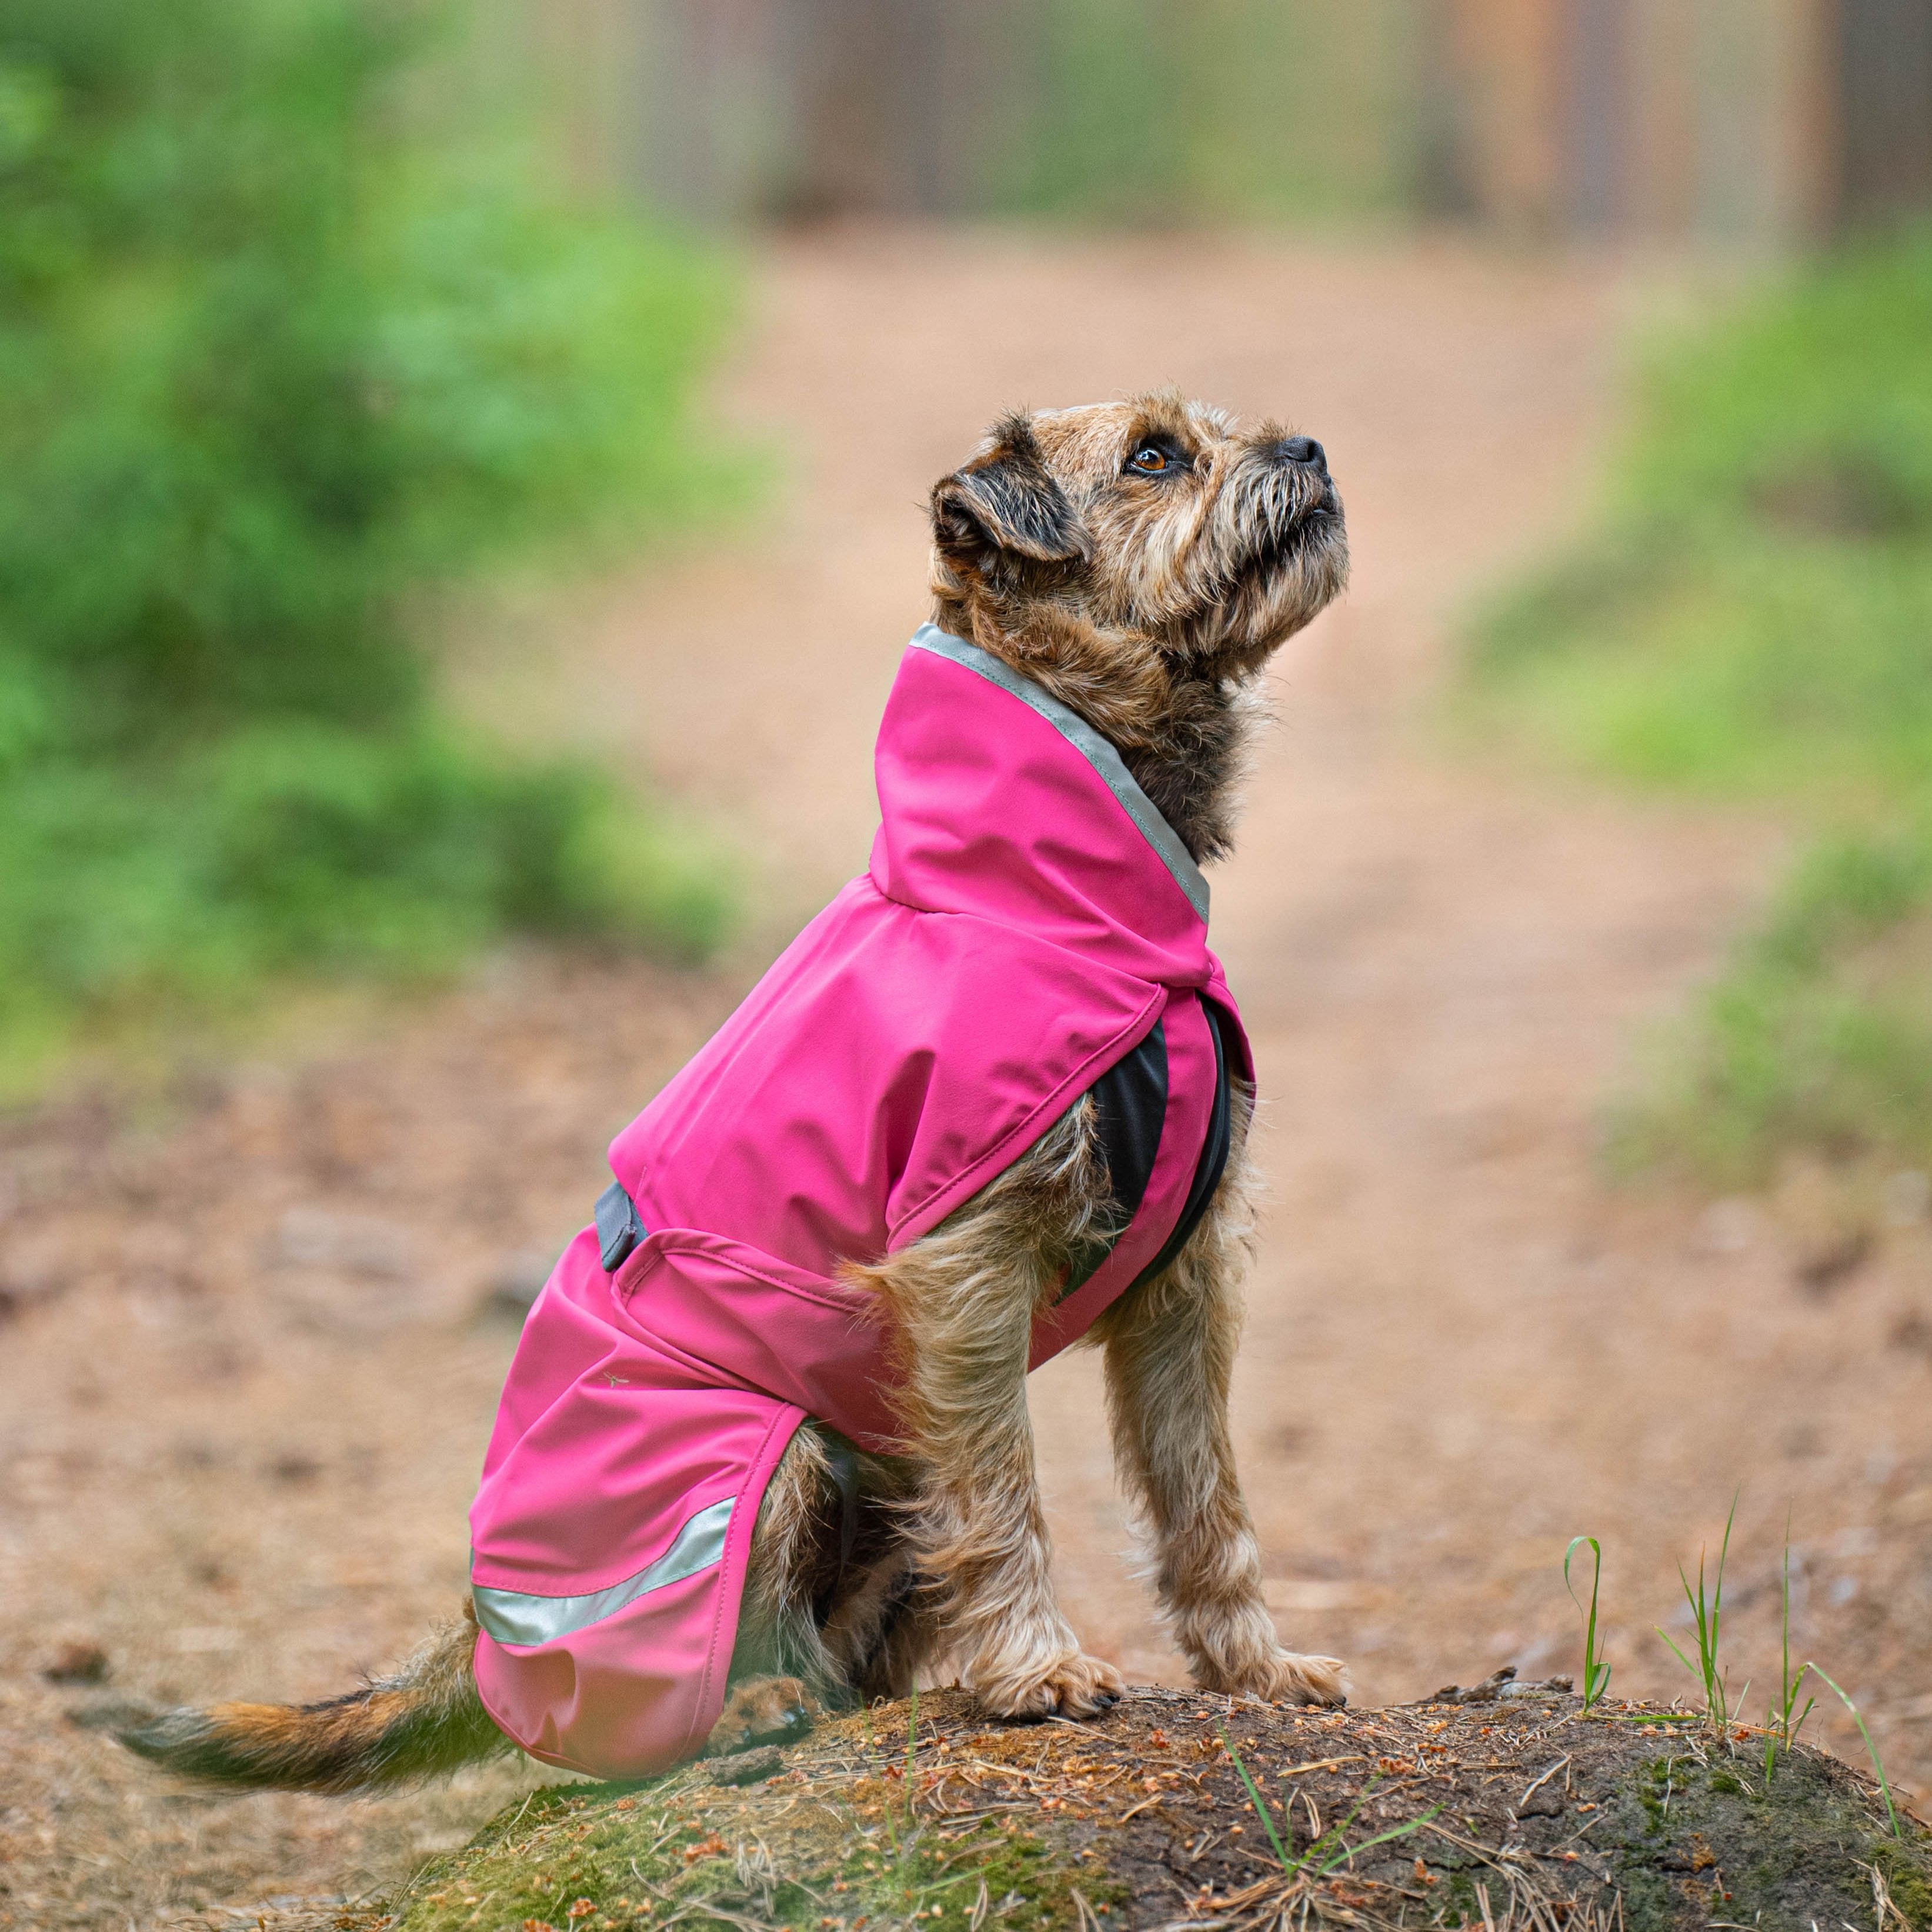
(313, 847)
(1752, 613)
(282, 343)
(1818, 1034)
(1752, 617)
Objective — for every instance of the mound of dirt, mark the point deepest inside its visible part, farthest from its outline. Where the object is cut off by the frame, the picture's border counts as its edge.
(1194, 1814)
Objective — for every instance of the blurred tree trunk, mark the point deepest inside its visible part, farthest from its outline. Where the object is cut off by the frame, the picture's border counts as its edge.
(1764, 122)
(1884, 49)
(1134, 110)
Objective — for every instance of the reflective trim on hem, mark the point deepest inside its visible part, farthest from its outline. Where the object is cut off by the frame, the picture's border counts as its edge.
(516, 1616)
(1088, 743)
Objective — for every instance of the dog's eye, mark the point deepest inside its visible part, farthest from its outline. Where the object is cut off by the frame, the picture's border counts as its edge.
(1149, 461)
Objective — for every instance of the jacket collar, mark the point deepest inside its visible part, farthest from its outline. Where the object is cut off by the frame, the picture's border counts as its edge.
(996, 799)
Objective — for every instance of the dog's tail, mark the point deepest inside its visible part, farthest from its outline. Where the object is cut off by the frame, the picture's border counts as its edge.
(424, 1720)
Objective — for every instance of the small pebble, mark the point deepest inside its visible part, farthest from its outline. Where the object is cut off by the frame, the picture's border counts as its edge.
(78, 1663)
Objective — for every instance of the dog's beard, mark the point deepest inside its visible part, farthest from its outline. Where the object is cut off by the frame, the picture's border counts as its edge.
(1281, 577)
(1273, 551)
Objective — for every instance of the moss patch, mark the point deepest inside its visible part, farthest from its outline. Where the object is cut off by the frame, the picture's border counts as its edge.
(1425, 1815)
(834, 1841)
(1700, 1835)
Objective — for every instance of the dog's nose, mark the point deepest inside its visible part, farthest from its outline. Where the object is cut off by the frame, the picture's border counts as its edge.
(1303, 449)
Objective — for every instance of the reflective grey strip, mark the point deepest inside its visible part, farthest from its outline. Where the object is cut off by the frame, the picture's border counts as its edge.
(1088, 743)
(513, 1616)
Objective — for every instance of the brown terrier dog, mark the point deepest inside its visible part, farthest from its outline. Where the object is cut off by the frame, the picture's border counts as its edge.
(1140, 560)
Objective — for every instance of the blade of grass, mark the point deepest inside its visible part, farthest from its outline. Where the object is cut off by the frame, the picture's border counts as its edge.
(1336, 1831)
(1788, 1686)
(891, 1811)
(906, 1872)
(1707, 1615)
(1675, 1652)
(1780, 1733)
(1884, 1785)
(1596, 1672)
(1289, 1866)
(1714, 1674)
(1381, 1838)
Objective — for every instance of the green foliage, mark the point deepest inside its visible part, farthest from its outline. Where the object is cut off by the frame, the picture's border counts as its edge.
(1818, 1034)
(310, 848)
(281, 346)
(1755, 663)
(1755, 611)
(1753, 617)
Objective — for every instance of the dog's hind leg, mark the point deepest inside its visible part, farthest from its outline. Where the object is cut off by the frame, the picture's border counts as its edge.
(963, 1299)
(780, 1675)
(807, 1627)
(1170, 1351)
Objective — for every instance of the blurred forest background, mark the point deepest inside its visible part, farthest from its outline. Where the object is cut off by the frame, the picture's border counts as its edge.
(313, 308)
(296, 322)
(461, 465)
(1767, 121)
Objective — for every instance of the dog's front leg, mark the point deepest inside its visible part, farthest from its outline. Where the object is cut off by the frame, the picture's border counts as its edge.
(1170, 1353)
(982, 1530)
(963, 1298)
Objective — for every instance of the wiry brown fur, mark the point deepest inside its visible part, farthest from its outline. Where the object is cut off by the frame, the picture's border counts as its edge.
(1148, 603)
(1170, 1353)
(763, 1710)
(424, 1720)
(963, 1302)
(870, 1602)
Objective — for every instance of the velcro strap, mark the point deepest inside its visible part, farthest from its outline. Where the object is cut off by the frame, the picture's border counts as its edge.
(619, 1227)
(1129, 1110)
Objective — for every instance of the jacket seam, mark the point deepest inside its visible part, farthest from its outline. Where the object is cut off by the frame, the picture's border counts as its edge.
(970, 1178)
(828, 1295)
(797, 1416)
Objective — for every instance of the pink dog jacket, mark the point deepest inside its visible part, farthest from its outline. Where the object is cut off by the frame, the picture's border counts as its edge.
(1029, 929)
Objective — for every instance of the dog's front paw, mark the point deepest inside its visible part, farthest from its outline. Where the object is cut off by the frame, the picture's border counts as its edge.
(1289, 1678)
(1070, 1685)
(763, 1711)
(1281, 1677)
(1232, 1648)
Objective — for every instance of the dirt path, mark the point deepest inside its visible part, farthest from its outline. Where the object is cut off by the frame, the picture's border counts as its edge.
(245, 1393)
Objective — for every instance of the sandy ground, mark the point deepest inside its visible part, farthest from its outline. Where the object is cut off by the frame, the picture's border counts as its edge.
(251, 1361)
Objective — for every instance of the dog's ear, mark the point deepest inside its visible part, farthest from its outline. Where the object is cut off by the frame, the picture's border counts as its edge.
(1006, 501)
